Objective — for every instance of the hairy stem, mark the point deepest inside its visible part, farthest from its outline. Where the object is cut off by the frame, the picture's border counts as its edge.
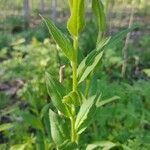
(73, 132)
(74, 76)
(74, 136)
(74, 64)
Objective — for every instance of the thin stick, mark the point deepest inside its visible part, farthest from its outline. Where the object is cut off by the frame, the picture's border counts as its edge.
(61, 74)
(125, 48)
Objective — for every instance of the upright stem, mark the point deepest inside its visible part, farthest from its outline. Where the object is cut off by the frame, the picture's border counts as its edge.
(74, 136)
(74, 64)
(74, 76)
(73, 133)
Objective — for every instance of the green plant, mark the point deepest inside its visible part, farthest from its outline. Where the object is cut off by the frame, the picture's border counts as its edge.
(29, 116)
(75, 103)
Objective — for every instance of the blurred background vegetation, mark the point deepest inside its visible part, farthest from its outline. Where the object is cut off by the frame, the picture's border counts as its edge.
(27, 51)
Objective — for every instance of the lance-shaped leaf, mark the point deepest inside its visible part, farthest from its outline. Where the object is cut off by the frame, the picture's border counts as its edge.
(107, 101)
(44, 110)
(59, 130)
(62, 41)
(19, 146)
(92, 59)
(6, 126)
(56, 91)
(86, 113)
(90, 62)
(105, 145)
(68, 145)
(99, 13)
(40, 143)
(119, 37)
(76, 21)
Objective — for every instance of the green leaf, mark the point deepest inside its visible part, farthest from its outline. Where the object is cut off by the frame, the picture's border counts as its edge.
(90, 62)
(19, 147)
(98, 11)
(62, 41)
(107, 101)
(57, 91)
(32, 120)
(103, 43)
(46, 123)
(119, 37)
(44, 110)
(76, 21)
(6, 126)
(92, 59)
(70, 4)
(88, 65)
(105, 145)
(86, 113)
(73, 98)
(147, 72)
(40, 145)
(59, 130)
(68, 145)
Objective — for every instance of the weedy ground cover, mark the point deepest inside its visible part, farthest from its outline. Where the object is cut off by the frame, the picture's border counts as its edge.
(73, 113)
